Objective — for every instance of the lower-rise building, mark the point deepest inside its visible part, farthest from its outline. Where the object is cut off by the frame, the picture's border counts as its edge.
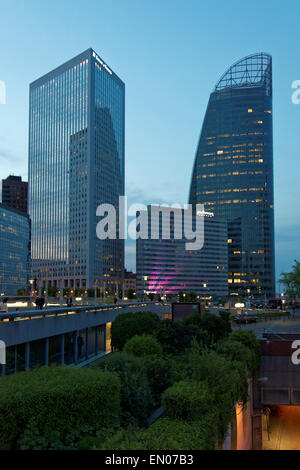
(166, 266)
(129, 281)
(14, 250)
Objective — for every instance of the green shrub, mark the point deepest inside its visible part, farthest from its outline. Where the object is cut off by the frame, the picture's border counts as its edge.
(187, 400)
(55, 401)
(166, 434)
(127, 325)
(196, 435)
(136, 399)
(143, 345)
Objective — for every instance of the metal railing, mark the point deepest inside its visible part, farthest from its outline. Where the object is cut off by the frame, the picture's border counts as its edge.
(62, 311)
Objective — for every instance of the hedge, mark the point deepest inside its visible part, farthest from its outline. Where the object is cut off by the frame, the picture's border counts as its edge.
(166, 434)
(57, 400)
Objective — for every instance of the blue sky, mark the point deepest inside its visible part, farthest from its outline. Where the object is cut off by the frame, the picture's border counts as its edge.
(170, 54)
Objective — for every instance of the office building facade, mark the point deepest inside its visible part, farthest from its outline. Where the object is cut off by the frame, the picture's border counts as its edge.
(76, 163)
(233, 171)
(165, 266)
(15, 193)
(15, 251)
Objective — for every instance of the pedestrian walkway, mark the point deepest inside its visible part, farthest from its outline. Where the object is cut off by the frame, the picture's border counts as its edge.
(284, 429)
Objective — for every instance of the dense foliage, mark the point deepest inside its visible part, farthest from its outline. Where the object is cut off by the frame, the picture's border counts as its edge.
(130, 324)
(53, 404)
(165, 434)
(187, 400)
(196, 368)
(136, 394)
(143, 345)
(187, 296)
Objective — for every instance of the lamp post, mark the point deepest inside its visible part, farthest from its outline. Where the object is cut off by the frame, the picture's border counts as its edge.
(61, 293)
(31, 282)
(95, 290)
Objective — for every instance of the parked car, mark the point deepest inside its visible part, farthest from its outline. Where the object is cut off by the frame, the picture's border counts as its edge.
(258, 306)
(3, 306)
(271, 306)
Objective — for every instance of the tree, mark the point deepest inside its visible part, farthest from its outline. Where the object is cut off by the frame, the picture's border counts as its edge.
(130, 324)
(21, 292)
(187, 296)
(143, 345)
(215, 327)
(291, 281)
(160, 373)
(52, 291)
(136, 399)
(175, 337)
(130, 294)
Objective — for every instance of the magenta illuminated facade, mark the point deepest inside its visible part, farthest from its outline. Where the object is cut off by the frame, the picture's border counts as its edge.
(164, 266)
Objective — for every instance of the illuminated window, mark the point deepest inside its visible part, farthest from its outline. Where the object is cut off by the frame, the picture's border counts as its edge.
(250, 110)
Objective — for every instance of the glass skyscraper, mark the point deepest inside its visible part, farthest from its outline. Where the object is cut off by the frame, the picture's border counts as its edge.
(15, 250)
(233, 171)
(76, 162)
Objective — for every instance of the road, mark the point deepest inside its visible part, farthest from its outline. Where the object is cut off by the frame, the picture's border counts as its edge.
(272, 326)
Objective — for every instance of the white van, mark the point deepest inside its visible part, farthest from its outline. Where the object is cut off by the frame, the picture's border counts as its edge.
(3, 307)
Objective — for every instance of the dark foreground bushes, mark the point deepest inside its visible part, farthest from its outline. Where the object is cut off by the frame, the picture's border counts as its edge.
(51, 407)
(164, 434)
(136, 397)
(143, 379)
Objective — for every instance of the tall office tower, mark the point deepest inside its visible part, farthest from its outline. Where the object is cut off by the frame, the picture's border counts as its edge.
(167, 266)
(14, 193)
(233, 171)
(76, 162)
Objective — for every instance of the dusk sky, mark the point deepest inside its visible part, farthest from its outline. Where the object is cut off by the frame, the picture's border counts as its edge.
(170, 54)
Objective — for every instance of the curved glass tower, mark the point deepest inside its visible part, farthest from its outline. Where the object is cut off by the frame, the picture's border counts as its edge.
(233, 171)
